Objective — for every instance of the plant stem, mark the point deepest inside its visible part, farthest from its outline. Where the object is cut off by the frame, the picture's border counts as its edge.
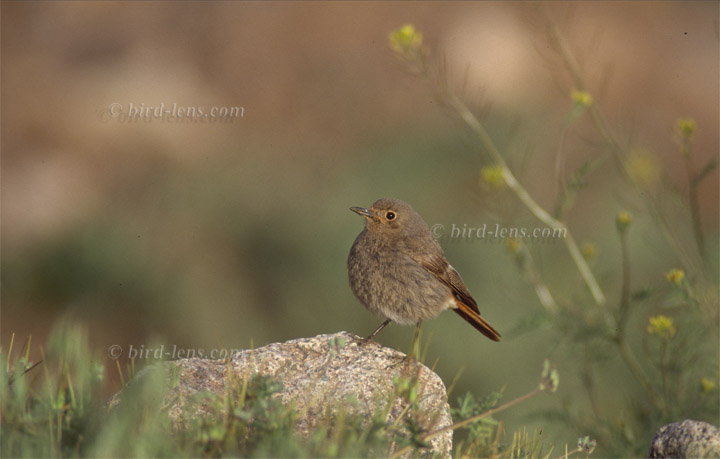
(625, 290)
(665, 374)
(526, 199)
(541, 289)
(568, 453)
(692, 264)
(637, 370)
(625, 351)
(587, 379)
(693, 200)
(467, 421)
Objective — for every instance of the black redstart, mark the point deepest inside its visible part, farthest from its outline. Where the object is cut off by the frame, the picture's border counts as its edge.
(398, 271)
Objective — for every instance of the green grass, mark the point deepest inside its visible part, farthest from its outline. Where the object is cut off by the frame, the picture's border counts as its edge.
(627, 305)
(55, 408)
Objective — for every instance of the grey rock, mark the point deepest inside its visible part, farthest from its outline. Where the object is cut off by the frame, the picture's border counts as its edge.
(319, 376)
(691, 439)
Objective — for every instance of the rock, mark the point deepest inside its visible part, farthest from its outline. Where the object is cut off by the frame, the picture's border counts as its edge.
(318, 376)
(686, 439)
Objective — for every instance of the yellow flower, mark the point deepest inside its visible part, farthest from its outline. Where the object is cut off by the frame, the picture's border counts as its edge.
(707, 385)
(589, 250)
(493, 176)
(582, 98)
(623, 221)
(405, 40)
(661, 326)
(643, 167)
(676, 276)
(513, 245)
(686, 127)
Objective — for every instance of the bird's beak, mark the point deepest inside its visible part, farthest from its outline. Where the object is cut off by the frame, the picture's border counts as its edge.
(363, 212)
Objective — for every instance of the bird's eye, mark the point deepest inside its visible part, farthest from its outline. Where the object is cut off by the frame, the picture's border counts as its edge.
(390, 215)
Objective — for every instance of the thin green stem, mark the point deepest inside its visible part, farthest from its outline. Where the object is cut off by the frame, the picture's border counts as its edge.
(665, 374)
(526, 199)
(693, 200)
(625, 350)
(470, 420)
(637, 370)
(417, 61)
(9, 354)
(691, 263)
(587, 379)
(568, 453)
(542, 291)
(625, 290)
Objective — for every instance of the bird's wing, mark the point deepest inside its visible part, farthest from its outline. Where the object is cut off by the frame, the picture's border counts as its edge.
(436, 264)
(433, 260)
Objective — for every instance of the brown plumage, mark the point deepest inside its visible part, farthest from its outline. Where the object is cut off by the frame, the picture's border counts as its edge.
(398, 271)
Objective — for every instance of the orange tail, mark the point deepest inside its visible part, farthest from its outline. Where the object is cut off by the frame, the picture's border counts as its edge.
(476, 321)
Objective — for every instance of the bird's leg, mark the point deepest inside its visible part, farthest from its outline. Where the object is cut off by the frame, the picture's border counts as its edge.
(377, 330)
(415, 342)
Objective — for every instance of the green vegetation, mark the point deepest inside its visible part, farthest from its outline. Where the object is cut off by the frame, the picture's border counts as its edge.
(53, 408)
(627, 308)
(678, 367)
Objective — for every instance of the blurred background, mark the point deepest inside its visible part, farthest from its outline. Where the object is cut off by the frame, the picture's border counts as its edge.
(232, 232)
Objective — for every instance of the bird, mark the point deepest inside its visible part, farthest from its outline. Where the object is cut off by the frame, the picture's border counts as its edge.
(398, 271)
